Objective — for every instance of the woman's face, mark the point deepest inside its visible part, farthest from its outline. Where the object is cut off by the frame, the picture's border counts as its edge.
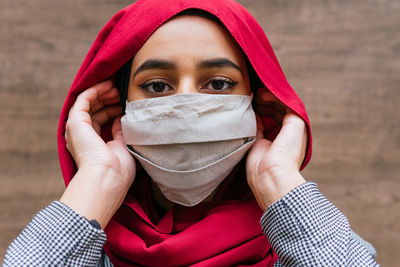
(188, 54)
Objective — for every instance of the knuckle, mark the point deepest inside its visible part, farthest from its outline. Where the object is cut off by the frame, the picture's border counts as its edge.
(67, 127)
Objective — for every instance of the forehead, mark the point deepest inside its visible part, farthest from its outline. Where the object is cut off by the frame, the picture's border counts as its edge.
(189, 36)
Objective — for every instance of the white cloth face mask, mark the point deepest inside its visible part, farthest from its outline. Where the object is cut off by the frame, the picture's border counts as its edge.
(189, 143)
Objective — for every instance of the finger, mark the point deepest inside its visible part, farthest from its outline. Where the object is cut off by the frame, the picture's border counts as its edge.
(108, 97)
(104, 102)
(292, 135)
(104, 115)
(111, 101)
(292, 118)
(99, 91)
(116, 130)
(294, 121)
(113, 92)
(90, 97)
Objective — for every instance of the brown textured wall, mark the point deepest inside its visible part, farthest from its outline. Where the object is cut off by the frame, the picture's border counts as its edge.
(342, 57)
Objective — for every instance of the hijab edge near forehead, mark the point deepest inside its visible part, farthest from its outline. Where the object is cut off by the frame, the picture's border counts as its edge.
(226, 16)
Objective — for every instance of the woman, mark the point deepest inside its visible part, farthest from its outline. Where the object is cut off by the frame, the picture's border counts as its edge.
(168, 181)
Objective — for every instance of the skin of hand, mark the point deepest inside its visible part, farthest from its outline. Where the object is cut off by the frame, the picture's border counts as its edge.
(105, 170)
(273, 168)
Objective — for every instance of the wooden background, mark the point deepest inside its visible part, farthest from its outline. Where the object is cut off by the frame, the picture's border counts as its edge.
(342, 57)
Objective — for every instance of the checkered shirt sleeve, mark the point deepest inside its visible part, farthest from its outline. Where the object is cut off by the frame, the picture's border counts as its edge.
(305, 229)
(57, 236)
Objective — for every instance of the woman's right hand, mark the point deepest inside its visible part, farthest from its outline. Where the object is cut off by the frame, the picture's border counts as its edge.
(105, 170)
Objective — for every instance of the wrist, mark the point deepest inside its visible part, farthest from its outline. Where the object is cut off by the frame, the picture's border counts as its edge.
(95, 194)
(274, 184)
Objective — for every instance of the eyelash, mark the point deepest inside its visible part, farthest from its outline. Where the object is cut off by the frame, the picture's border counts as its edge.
(145, 86)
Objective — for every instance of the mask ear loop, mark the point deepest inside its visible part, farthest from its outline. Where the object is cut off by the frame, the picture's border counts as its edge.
(122, 82)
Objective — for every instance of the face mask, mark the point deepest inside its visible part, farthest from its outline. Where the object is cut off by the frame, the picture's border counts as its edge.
(189, 143)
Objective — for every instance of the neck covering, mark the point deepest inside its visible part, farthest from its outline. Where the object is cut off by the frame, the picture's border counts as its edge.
(223, 232)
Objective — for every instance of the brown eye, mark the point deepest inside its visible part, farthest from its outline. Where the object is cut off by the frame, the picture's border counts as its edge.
(159, 87)
(220, 84)
(156, 86)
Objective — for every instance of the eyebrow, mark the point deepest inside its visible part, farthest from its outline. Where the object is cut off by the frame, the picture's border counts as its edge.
(218, 63)
(152, 64)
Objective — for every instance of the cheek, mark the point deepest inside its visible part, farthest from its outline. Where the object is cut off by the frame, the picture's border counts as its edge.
(242, 88)
(135, 93)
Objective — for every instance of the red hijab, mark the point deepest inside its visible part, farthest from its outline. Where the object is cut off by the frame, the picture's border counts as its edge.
(225, 232)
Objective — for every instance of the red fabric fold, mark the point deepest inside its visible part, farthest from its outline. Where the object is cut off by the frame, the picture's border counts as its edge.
(225, 232)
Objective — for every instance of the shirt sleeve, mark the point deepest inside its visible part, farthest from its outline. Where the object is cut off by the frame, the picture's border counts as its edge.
(57, 236)
(306, 229)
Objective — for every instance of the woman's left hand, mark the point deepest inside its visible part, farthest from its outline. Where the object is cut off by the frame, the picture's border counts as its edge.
(273, 167)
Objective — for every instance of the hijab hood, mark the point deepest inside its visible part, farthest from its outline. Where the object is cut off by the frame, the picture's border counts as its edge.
(225, 232)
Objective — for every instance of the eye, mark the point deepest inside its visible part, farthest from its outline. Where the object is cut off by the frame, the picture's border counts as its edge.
(156, 86)
(220, 84)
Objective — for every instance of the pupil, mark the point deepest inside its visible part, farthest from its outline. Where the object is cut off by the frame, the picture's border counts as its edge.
(218, 85)
(158, 87)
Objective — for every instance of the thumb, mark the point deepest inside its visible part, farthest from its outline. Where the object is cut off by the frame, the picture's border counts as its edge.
(119, 148)
(256, 154)
(118, 142)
